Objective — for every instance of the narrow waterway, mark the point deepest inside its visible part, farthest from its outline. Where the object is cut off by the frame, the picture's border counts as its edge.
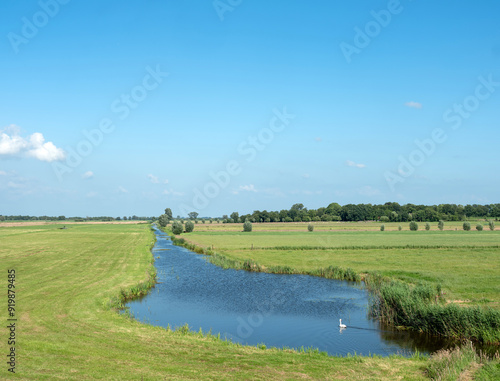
(276, 310)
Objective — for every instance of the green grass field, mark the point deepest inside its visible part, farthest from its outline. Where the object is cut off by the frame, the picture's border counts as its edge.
(67, 331)
(465, 264)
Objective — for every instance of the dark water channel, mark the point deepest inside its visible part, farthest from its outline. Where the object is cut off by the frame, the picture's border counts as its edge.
(277, 310)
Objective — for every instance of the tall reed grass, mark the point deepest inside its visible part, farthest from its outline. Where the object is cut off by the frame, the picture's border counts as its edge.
(421, 308)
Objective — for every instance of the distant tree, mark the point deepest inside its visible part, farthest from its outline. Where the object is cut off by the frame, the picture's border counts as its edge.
(297, 207)
(2, 218)
(288, 219)
(384, 219)
(479, 227)
(413, 226)
(125, 218)
(203, 221)
(427, 226)
(177, 228)
(163, 220)
(310, 227)
(247, 226)
(400, 228)
(61, 218)
(168, 213)
(189, 226)
(118, 218)
(316, 218)
(234, 216)
(441, 225)
(333, 209)
(466, 225)
(491, 224)
(193, 215)
(382, 227)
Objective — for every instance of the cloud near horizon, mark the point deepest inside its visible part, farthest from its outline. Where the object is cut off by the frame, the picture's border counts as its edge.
(351, 163)
(13, 144)
(413, 104)
(88, 175)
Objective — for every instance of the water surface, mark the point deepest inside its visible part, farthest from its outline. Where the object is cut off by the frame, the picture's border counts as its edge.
(276, 310)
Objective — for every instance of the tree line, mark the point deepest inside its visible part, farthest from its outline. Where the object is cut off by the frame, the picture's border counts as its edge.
(390, 212)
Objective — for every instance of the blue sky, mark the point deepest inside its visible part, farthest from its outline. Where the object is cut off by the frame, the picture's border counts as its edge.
(127, 107)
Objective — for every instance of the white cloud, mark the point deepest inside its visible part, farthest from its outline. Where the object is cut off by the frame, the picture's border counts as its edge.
(353, 164)
(11, 145)
(171, 192)
(153, 179)
(156, 180)
(247, 188)
(88, 175)
(122, 189)
(413, 104)
(91, 194)
(34, 146)
(3, 173)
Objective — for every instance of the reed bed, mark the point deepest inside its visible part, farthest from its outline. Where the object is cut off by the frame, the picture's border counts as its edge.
(422, 308)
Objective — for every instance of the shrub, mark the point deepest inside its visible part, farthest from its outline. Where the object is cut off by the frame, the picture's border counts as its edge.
(297, 219)
(491, 225)
(177, 227)
(310, 227)
(189, 226)
(326, 217)
(288, 219)
(382, 227)
(441, 225)
(400, 228)
(413, 226)
(247, 226)
(384, 219)
(427, 226)
(466, 225)
(479, 227)
(316, 219)
(306, 219)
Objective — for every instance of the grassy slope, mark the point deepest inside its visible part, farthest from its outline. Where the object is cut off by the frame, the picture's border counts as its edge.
(466, 264)
(65, 279)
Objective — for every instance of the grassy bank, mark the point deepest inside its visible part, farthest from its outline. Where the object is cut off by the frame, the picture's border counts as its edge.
(68, 279)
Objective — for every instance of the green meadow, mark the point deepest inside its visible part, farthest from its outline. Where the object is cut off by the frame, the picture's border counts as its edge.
(466, 264)
(67, 284)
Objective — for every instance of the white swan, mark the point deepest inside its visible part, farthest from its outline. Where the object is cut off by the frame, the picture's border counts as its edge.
(341, 325)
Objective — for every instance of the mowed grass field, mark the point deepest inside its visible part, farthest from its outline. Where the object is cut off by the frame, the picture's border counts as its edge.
(66, 330)
(465, 263)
